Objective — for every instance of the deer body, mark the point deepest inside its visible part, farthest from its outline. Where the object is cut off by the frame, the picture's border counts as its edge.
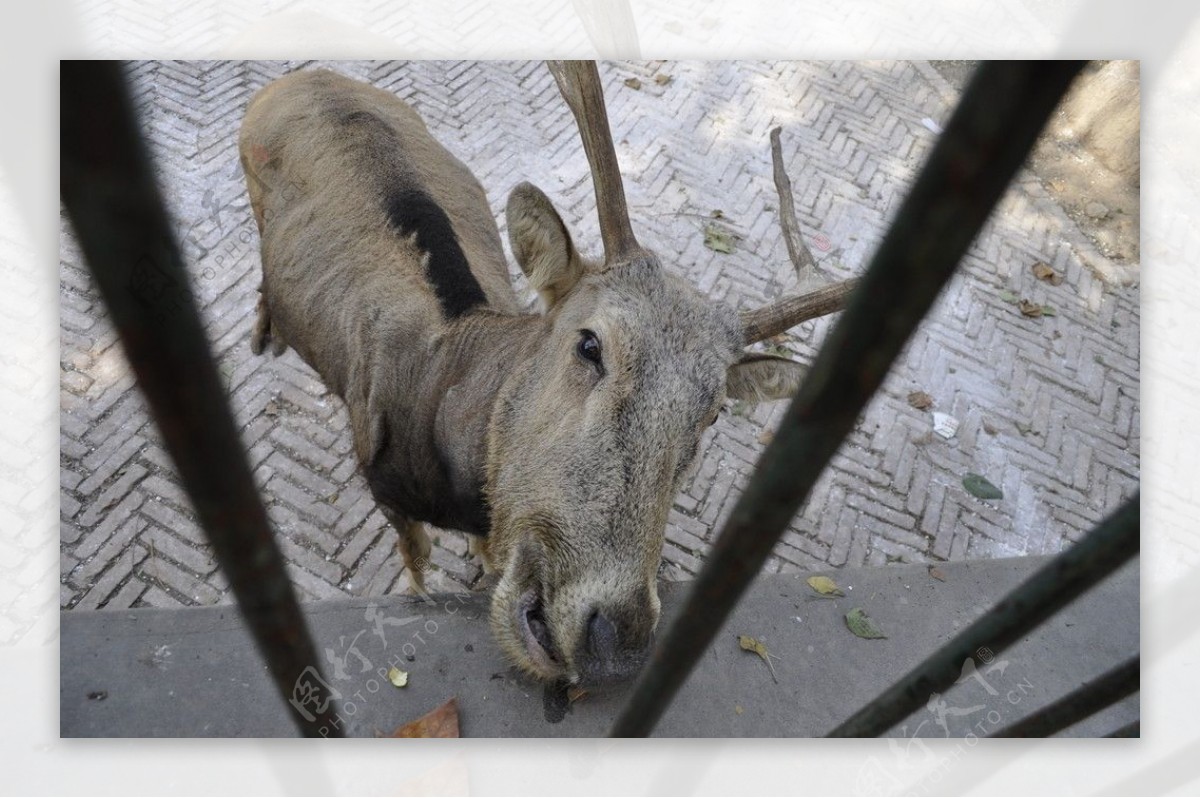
(560, 438)
(347, 284)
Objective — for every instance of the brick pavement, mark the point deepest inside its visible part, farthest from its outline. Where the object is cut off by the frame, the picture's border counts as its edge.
(1048, 408)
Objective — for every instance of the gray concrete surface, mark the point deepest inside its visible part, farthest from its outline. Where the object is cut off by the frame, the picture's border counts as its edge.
(1049, 407)
(195, 672)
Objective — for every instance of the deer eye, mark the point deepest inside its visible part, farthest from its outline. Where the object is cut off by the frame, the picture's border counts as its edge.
(588, 348)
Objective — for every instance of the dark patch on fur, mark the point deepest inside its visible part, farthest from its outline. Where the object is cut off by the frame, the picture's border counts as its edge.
(428, 497)
(410, 210)
(408, 207)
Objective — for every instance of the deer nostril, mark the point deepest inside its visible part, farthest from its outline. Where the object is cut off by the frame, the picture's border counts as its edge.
(602, 636)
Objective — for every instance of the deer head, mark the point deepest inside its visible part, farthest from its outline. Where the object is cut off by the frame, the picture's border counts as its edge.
(589, 445)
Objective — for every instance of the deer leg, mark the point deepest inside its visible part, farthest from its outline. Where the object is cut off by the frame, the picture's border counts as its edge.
(414, 547)
(262, 325)
(478, 547)
(265, 331)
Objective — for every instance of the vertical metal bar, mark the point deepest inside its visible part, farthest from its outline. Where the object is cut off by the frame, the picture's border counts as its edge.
(1089, 699)
(1052, 587)
(108, 189)
(988, 137)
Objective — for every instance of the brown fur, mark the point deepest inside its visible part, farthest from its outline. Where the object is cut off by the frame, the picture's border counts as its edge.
(491, 422)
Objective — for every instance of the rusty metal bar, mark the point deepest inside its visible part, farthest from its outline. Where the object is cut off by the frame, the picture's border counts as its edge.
(107, 186)
(1089, 699)
(988, 137)
(1052, 587)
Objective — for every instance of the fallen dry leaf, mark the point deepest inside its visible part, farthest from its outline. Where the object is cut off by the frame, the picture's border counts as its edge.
(936, 573)
(749, 643)
(766, 436)
(1031, 309)
(575, 692)
(397, 677)
(441, 722)
(824, 585)
(738, 708)
(662, 80)
(633, 83)
(1042, 271)
(920, 400)
(989, 429)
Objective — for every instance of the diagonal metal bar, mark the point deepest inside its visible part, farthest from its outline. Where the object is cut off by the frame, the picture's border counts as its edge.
(107, 186)
(988, 137)
(1052, 587)
(1106, 689)
(1133, 729)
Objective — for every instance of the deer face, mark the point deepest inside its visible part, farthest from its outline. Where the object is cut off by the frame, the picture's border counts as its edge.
(589, 445)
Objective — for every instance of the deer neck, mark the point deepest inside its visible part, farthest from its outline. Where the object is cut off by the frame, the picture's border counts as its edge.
(477, 356)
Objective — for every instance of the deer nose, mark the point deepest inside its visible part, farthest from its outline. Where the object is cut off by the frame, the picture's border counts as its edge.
(601, 636)
(611, 651)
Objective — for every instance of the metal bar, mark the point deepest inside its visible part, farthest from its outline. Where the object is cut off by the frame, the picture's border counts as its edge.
(991, 132)
(108, 188)
(1052, 587)
(1089, 699)
(1133, 729)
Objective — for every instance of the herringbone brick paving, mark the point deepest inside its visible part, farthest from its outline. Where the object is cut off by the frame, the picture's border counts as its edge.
(1048, 407)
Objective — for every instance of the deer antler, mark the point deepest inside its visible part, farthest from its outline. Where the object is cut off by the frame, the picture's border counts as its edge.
(786, 313)
(579, 82)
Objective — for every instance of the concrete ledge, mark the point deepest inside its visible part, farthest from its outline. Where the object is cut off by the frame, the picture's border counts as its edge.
(196, 673)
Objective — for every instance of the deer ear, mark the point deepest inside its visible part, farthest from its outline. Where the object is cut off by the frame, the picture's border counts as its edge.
(761, 378)
(541, 244)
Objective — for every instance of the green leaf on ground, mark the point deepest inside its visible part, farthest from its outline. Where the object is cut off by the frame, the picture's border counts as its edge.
(860, 623)
(718, 240)
(980, 488)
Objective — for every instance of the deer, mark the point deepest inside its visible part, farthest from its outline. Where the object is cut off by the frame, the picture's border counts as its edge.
(556, 438)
